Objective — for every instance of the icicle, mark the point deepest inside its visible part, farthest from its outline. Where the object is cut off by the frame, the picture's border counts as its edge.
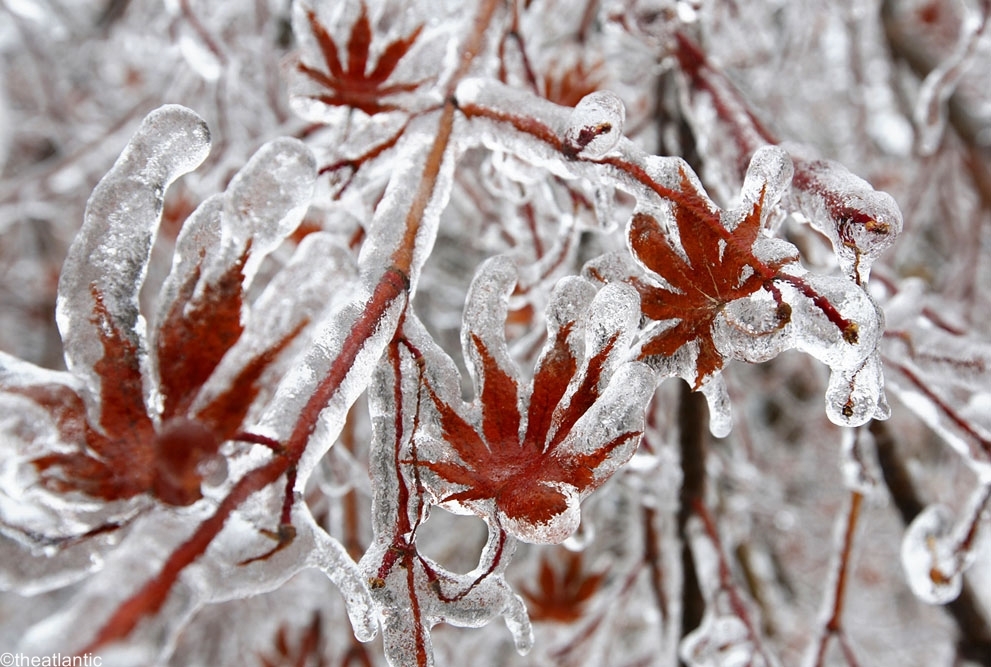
(720, 410)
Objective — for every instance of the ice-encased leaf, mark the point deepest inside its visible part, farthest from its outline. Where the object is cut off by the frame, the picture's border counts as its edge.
(355, 59)
(266, 200)
(412, 593)
(41, 414)
(313, 283)
(531, 462)
(595, 125)
(929, 558)
(109, 257)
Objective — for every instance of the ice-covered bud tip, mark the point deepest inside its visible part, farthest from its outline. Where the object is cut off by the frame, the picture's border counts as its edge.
(595, 125)
(928, 556)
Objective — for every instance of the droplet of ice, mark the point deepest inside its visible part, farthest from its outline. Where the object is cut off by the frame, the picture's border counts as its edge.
(595, 125)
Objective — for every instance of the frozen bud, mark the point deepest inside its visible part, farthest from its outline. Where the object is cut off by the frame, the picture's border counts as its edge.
(928, 556)
(720, 640)
(595, 125)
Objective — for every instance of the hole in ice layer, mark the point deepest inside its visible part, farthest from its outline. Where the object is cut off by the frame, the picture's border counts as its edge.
(453, 541)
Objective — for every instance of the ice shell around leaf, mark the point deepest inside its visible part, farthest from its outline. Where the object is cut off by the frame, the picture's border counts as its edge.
(595, 125)
(485, 315)
(768, 176)
(554, 531)
(612, 316)
(111, 252)
(268, 197)
(620, 409)
(569, 299)
(928, 556)
(198, 241)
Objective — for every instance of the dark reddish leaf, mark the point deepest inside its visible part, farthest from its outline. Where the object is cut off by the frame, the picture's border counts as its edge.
(225, 413)
(358, 45)
(550, 381)
(123, 412)
(520, 475)
(561, 596)
(117, 460)
(500, 395)
(584, 397)
(196, 333)
(353, 86)
(568, 87)
(718, 266)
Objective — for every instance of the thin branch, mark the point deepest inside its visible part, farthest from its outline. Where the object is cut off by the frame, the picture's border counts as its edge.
(691, 420)
(834, 624)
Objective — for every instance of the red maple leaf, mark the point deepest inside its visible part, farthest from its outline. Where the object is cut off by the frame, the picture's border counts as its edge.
(126, 452)
(535, 475)
(353, 86)
(718, 266)
(561, 596)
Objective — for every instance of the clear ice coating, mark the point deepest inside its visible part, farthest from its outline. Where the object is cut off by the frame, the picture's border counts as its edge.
(596, 125)
(266, 200)
(929, 556)
(860, 222)
(931, 108)
(720, 641)
(447, 134)
(109, 257)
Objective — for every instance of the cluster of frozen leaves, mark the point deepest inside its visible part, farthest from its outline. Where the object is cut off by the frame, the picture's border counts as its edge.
(458, 291)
